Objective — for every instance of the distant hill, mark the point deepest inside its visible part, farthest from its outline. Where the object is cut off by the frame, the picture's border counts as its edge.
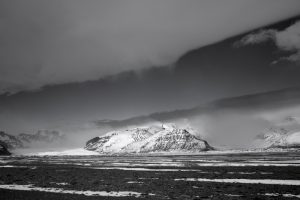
(24, 140)
(283, 134)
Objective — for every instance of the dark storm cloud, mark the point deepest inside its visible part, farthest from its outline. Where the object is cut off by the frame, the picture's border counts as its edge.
(286, 40)
(55, 42)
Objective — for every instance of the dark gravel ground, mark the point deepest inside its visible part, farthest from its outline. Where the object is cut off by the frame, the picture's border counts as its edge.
(160, 183)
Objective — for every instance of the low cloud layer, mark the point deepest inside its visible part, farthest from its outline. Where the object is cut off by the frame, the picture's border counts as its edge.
(286, 40)
(54, 42)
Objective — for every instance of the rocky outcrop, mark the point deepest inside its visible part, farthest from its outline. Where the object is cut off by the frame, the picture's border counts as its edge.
(10, 141)
(3, 150)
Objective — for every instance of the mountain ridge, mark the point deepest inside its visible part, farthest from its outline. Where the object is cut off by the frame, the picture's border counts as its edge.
(148, 140)
(25, 140)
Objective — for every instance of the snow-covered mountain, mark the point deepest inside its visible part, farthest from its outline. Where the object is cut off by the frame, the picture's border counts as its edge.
(10, 141)
(283, 134)
(165, 138)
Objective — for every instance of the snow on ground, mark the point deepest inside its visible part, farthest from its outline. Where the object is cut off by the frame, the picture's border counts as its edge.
(248, 181)
(143, 169)
(145, 164)
(135, 182)
(275, 161)
(63, 183)
(284, 195)
(59, 190)
(245, 164)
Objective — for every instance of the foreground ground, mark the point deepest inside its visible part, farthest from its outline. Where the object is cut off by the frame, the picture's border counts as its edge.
(230, 176)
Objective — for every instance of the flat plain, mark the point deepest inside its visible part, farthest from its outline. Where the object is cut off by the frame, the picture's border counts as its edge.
(205, 176)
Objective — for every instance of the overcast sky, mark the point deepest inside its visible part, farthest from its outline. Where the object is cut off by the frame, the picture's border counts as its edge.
(64, 62)
(52, 42)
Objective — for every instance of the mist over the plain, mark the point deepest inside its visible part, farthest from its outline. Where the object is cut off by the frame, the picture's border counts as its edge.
(222, 129)
(225, 123)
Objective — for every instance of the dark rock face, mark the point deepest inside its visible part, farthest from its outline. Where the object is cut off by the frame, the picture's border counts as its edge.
(147, 140)
(3, 150)
(91, 144)
(10, 141)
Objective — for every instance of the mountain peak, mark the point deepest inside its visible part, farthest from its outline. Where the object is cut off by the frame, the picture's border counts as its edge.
(167, 138)
(169, 126)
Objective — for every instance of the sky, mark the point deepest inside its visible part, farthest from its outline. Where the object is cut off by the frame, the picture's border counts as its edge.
(67, 63)
(54, 42)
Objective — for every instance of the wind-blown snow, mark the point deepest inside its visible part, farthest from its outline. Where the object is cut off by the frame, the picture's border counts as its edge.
(13, 166)
(143, 169)
(247, 181)
(135, 182)
(241, 164)
(59, 190)
(283, 195)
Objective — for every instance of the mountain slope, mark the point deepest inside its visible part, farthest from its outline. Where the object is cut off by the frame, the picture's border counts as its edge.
(147, 140)
(3, 150)
(10, 141)
(283, 134)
